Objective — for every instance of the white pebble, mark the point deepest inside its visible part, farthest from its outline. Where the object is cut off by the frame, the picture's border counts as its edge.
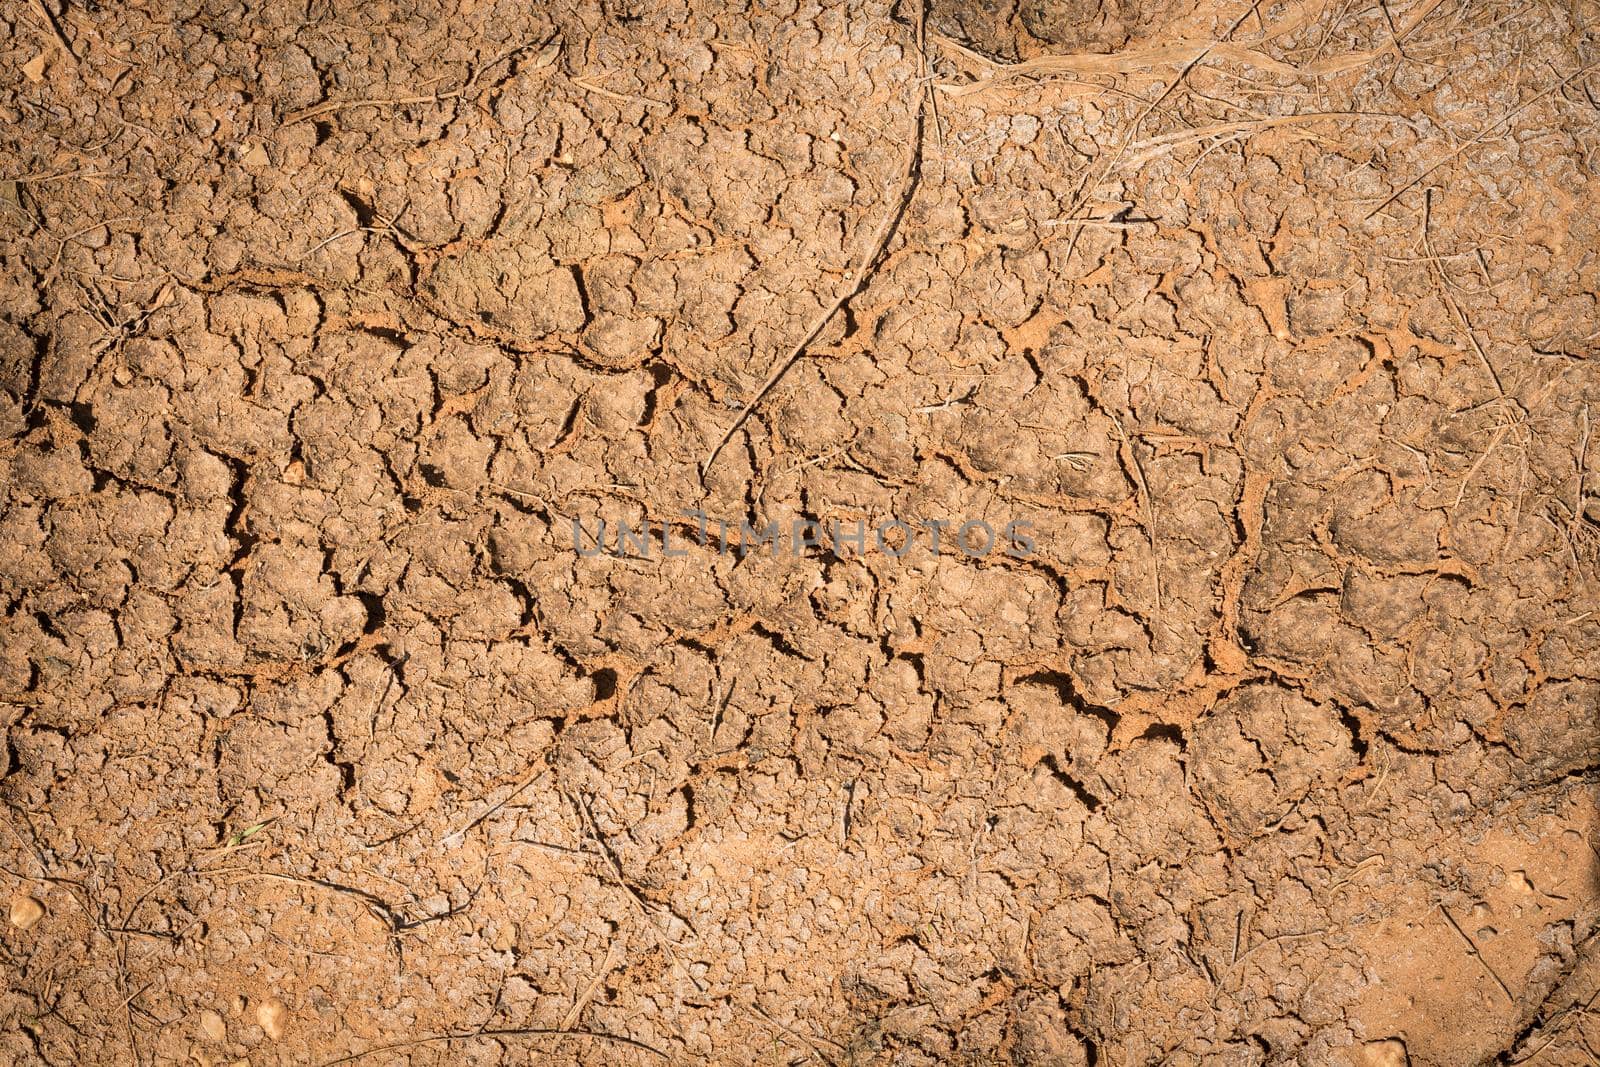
(25, 911)
(273, 1015)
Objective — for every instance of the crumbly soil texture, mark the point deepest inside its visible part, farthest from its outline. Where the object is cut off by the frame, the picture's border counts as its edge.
(331, 333)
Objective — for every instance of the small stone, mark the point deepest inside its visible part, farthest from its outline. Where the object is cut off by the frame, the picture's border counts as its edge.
(213, 1028)
(1388, 1053)
(273, 1015)
(25, 911)
(34, 68)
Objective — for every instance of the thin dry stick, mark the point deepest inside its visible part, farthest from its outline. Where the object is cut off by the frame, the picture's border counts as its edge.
(1182, 74)
(797, 1035)
(1473, 948)
(55, 28)
(863, 272)
(82, 172)
(549, 52)
(1579, 501)
(341, 235)
(1340, 64)
(1486, 131)
(371, 101)
(668, 945)
(1276, 939)
(551, 49)
(1150, 146)
(1132, 459)
(1506, 423)
(1444, 288)
(455, 837)
(1494, 443)
(62, 242)
(575, 1013)
(593, 85)
(1394, 31)
(470, 1035)
(922, 72)
(1124, 62)
(374, 904)
(587, 814)
(611, 861)
(1085, 188)
(1554, 1024)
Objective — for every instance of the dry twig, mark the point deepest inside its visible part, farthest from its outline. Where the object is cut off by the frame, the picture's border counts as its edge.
(1485, 132)
(856, 281)
(54, 26)
(473, 1035)
(1472, 948)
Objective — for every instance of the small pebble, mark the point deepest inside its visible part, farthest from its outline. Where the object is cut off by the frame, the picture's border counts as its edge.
(1387, 1053)
(212, 1026)
(273, 1015)
(25, 911)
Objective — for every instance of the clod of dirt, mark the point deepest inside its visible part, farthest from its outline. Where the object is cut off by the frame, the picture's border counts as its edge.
(1388, 1053)
(273, 1015)
(214, 1029)
(25, 911)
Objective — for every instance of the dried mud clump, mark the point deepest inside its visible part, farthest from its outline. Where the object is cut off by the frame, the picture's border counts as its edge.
(331, 335)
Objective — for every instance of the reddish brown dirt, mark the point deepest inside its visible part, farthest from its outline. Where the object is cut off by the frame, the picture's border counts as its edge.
(321, 323)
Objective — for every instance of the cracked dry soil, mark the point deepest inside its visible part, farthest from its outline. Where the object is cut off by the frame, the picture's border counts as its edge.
(321, 323)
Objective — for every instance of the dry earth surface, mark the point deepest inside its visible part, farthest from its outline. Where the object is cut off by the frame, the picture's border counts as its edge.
(1275, 324)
